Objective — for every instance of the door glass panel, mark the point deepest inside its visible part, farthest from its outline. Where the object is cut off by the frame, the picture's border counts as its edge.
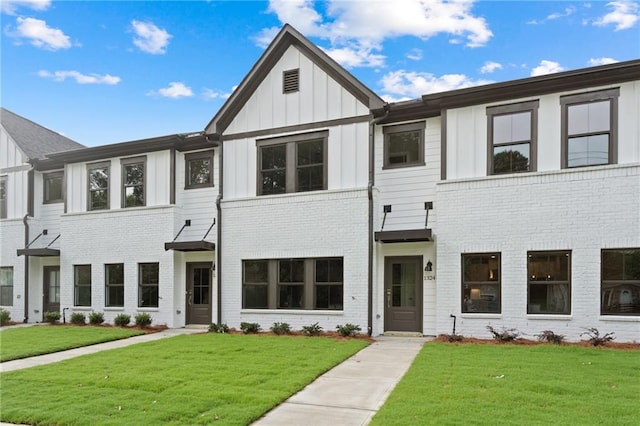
(403, 284)
(201, 286)
(54, 286)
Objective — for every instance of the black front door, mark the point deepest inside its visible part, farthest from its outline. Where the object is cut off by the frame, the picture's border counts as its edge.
(403, 293)
(199, 293)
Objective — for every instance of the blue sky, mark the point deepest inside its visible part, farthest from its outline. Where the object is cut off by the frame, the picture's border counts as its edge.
(103, 72)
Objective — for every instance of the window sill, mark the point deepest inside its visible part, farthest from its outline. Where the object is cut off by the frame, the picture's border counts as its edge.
(154, 309)
(480, 315)
(306, 312)
(403, 166)
(82, 308)
(621, 318)
(113, 308)
(556, 317)
(189, 188)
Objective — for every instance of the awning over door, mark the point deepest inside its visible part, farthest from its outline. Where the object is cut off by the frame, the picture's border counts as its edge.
(191, 245)
(403, 236)
(39, 252)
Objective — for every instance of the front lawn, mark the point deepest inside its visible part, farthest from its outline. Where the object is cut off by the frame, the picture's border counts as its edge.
(197, 379)
(514, 384)
(16, 343)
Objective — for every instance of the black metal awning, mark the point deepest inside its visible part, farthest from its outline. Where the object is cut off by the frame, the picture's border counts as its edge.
(39, 252)
(404, 236)
(190, 246)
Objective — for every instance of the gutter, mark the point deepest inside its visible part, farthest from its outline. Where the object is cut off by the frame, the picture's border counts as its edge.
(218, 138)
(26, 269)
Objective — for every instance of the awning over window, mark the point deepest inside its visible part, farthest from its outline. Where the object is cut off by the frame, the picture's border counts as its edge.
(39, 252)
(190, 246)
(403, 236)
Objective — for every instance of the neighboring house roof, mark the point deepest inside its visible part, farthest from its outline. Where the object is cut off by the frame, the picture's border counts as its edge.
(287, 37)
(34, 140)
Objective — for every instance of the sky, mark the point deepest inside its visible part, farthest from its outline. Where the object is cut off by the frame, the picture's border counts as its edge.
(102, 72)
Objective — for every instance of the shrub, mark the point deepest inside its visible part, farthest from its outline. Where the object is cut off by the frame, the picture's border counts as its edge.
(78, 318)
(505, 335)
(550, 337)
(143, 319)
(312, 330)
(595, 339)
(218, 328)
(452, 338)
(51, 317)
(5, 317)
(249, 327)
(280, 328)
(96, 318)
(348, 330)
(122, 320)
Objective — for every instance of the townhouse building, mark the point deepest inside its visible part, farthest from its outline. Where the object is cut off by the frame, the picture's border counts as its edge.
(308, 199)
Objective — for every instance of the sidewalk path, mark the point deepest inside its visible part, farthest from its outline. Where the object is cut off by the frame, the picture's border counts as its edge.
(352, 392)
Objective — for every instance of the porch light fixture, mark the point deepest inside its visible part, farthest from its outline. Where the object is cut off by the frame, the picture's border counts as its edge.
(429, 266)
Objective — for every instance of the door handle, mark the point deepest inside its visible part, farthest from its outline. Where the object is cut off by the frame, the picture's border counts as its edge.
(388, 298)
(189, 298)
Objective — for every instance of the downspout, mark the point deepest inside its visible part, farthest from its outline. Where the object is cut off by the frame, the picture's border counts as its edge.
(372, 125)
(219, 233)
(30, 204)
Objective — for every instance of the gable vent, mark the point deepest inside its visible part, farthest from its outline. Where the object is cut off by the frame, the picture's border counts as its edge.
(291, 81)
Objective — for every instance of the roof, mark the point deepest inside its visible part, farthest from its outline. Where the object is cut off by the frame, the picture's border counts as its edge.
(34, 140)
(289, 36)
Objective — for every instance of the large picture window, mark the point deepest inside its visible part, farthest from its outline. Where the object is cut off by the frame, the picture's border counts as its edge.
(3, 197)
(549, 282)
(620, 288)
(481, 278)
(114, 285)
(82, 285)
(53, 185)
(292, 164)
(133, 182)
(98, 176)
(512, 134)
(404, 145)
(199, 170)
(148, 284)
(589, 128)
(6, 286)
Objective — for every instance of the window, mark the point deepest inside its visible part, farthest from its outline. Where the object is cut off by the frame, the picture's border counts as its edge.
(6, 286)
(481, 283)
(291, 81)
(404, 145)
(82, 285)
(148, 280)
(98, 175)
(293, 284)
(133, 182)
(549, 282)
(114, 284)
(199, 170)
(3, 197)
(620, 289)
(512, 134)
(292, 164)
(589, 128)
(53, 183)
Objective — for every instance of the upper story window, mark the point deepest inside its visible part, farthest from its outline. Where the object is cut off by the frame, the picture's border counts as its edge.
(98, 185)
(3, 197)
(589, 128)
(512, 135)
(291, 81)
(53, 184)
(403, 145)
(199, 169)
(292, 164)
(620, 288)
(133, 182)
(481, 283)
(549, 282)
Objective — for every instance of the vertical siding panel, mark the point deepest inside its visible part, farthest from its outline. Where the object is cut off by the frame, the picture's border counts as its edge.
(320, 81)
(307, 90)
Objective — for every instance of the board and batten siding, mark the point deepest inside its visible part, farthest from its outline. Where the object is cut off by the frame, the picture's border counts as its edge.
(14, 166)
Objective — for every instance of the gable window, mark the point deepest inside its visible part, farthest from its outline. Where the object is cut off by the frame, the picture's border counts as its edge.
(6, 286)
(98, 176)
(53, 183)
(3, 197)
(291, 81)
(148, 281)
(292, 164)
(481, 283)
(549, 282)
(199, 170)
(620, 288)
(404, 145)
(512, 134)
(589, 128)
(133, 182)
(114, 284)
(82, 285)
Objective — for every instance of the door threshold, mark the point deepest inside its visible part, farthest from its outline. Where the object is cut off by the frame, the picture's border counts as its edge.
(402, 334)
(197, 326)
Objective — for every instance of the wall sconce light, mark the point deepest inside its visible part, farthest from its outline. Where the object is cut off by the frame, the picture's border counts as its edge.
(429, 266)
(213, 267)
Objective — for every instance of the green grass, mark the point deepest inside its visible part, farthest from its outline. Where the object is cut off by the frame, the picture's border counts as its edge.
(16, 343)
(197, 379)
(510, 384)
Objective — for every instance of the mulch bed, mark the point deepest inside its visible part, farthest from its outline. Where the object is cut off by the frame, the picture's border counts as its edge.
(445, 338)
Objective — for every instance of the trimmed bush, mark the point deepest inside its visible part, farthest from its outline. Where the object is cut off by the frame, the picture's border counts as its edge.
(348, 330)
(218, 328)
(249, 327)
(550, 337)
(122, 320)
(280, 328)
(96, 318)
(51, 317)
(78, 318)
(312, 330)
(5, 317)
(143, 319)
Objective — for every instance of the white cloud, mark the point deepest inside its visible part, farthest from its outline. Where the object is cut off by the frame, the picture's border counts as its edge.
(10, 6)
(356, 56)
(210, 94)
(490, 66)
(546, 67)
(40, 34)
(149, 38)
(408, 84)
(414, 54)
(625, 15)
(175, 90)
(601, 61)
(557, 15)
(80, 78)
